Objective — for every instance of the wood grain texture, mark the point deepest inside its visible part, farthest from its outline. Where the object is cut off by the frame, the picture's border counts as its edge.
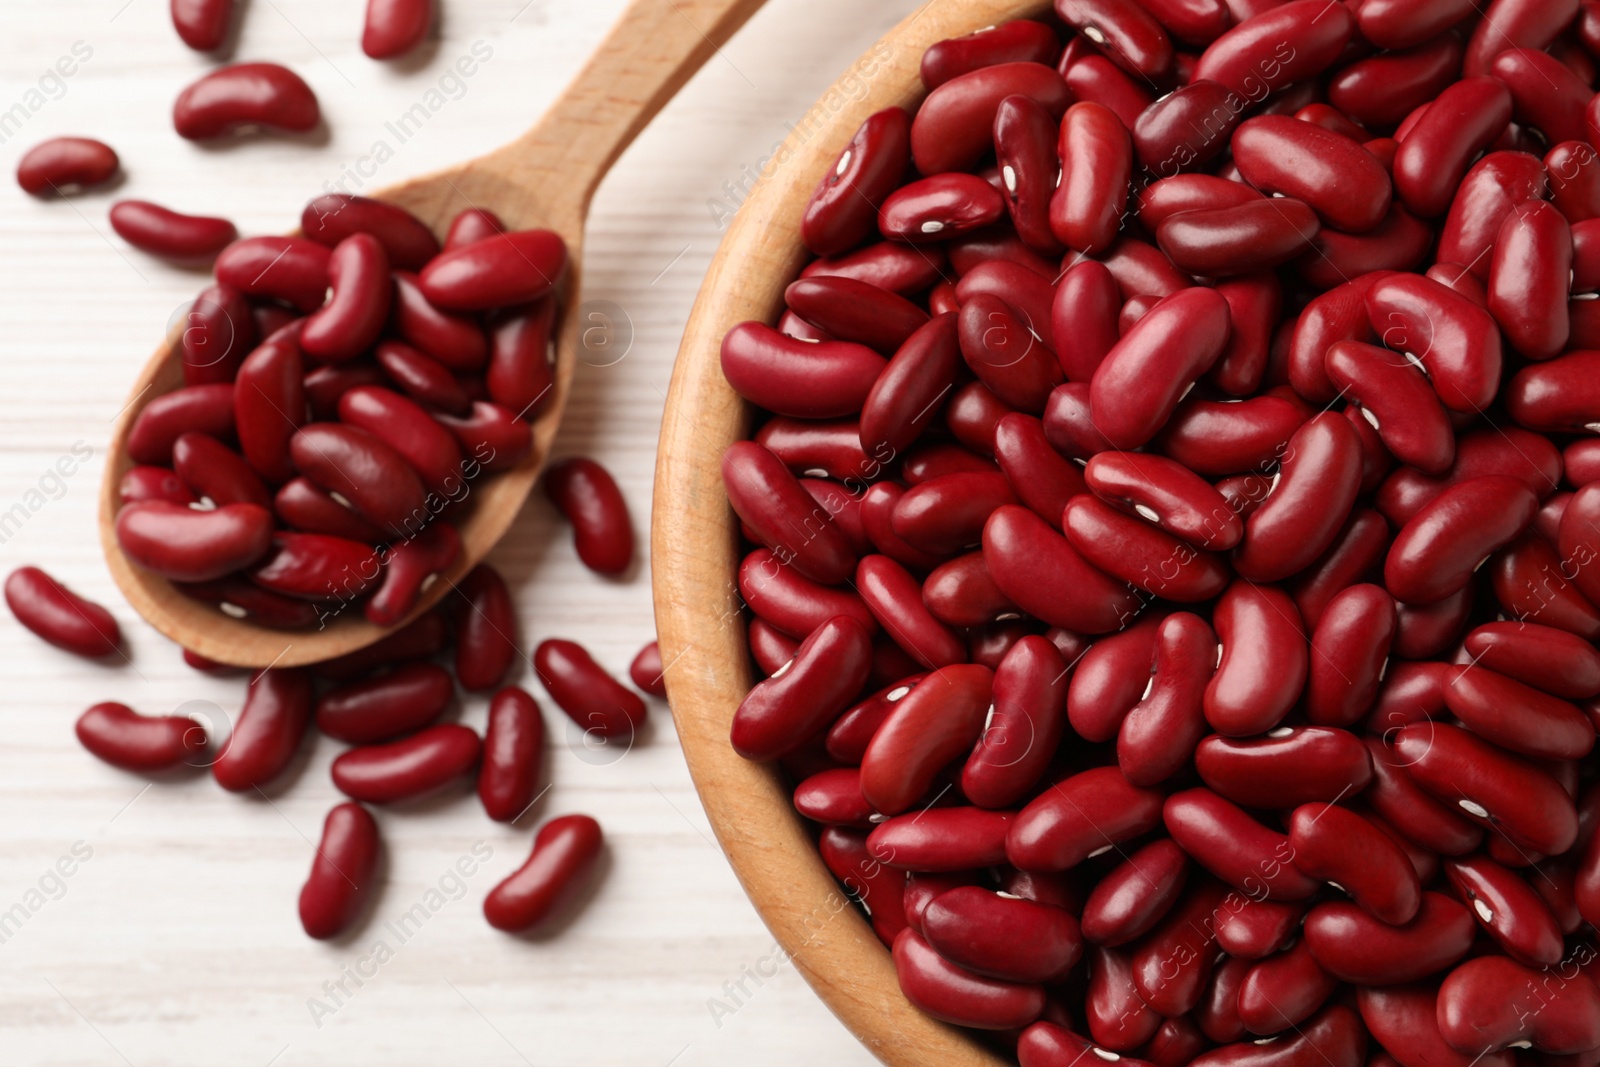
(694, 555)
(177, 945)
(546, 178)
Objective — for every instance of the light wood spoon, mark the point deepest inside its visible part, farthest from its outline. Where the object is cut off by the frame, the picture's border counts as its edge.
(694, 558)
(546, 178)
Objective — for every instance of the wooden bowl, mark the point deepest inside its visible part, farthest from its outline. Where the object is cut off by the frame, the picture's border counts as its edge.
(694, 556)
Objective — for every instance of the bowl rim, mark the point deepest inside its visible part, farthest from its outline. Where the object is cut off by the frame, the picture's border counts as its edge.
(694, 560)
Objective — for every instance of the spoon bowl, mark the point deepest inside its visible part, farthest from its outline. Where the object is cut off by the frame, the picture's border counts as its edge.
(544, 179)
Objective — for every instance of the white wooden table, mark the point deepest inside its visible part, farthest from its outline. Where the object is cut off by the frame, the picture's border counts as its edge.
(174, 939)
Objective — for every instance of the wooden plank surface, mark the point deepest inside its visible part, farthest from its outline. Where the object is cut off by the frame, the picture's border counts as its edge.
(173, 939)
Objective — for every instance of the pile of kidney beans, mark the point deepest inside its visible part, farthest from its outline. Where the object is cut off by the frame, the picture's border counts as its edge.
(1174, 517)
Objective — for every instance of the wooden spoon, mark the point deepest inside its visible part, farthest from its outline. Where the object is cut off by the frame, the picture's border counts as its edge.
(694, 558)
(546, 178)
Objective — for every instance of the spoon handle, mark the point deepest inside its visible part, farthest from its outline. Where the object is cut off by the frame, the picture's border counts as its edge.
(654, 48)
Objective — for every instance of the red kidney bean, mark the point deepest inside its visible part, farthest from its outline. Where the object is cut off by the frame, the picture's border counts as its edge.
(855, 311)
(186, 545)
(1263, 662)
(458, 341)
(1044, 1044)
(220, 331)
(1575, 538)
(1354, 555)
(1000, 937)
(1020, 41)
(1334, 1038)
(268, 731)
(842, 212)
(586, 494)
(343, 874)
(1436, 552)
(1037, 472)
(1509, 909)
(357, 467)
(1404, 1018)
(486, 641)
(783, 516)
(895, 267)
(334, 217)
(1141, 554)
(1278, 47)
(1545, 93)
(385, 707)
(1397, 797)
(1381, 90)
(1556, 397)
(424, 379)
(1217, 1014)
(904, 396)
(1358, 948)
(1241, 239)
(517, 267)
(1125, 31)
(895, 600)
(61, 616)
(782, 375)
(1185, 130)
(473, 224)
(1110, 679)
(770, 648)
(939, 208)
(1529, 278)
(1136, 895)
(1397, 400)
(495, 438)
(1574, 171)
(1226, 841)
(833, 798)
(1171, 966)
(941, 839)
(245, 96)
(877, 511)
(395, 27)
(955, 995)
(1024, 727)
(848, 737)
(1285, 768)
(1349, 653)
(1402, 24)
(946, 514)
(325, 385)
(1399, 242)
(1250, 928)
(923, 732)
(408, 568)
(1491, 787)
(1338, 846)
(1494, 187)
(647, 671)
(1254, 303)
(202, 24)
(1084, 319)
(425, 637)
(1025, 136)
(792, 603)
(143, 744)
(1118, 1017)
(204, 408)
(360, 287)
(1548, 659)
(1490, 1003)
(957, 593)
(1516, 716)
(1331, 173)
(303, 506)
(1337, 315)
(412, 767)
(62, 165)
(1214, 438)
(513, 744)
(162, 232)
(1041, 573)
(269, 402)
(880, 888)
(1279, 993)
(954, 127)
(1464, 120)
(317, 567)
(1516, 24)
(1166, 493)
(243, 599)
(1097, 152)
(291, 269)
(1006, 355)
(822, 449)
(216, 472)
(1139, 384)
(1510, 451)
(803, 697)
(565, 852)
(1088, 813)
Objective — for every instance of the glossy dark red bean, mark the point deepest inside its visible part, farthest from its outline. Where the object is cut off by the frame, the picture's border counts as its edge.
(62, 165)
(1172, 963)
(357, 467)
(267, 733)
(1038, 474)
(1118, 1017)
(1358, 948)
(937, 722)
(1509, 909)
(1158, 736)
(204, 408)
(1110, 679)
(385, 707)
(1396, 796)
(1243, 239)
(1139, 384)
(421, 377)
(317, 567)
(954, 127)
(1125, 31)
(648, 673)
(1024, 728)
(408, 568)
(1250, 928)
(783, 375)
(240, 598)
(856, 311)
(842, 212)
(421, 639)
(486, 638)
(517, 267)
(1508, 450)
(1215, 438)
(1349, 655)
(1437, 551)
(942, 207)
(1084, 318)
(783, 516)
(1286, 767)
(795, 605)
(1142, 554)
(187, 545)
(888, 265)
(219, 331)
(1517, 717)
(880, 888)
(1097, 152)
(333, 217)
(358, 305)
(1338, 846)
(1548, 659)
(1045, 1044)
(1330, 172)
(565, 853)
(1404, 1018)
(291, 269)
(894, 597)
(1433, 157)
(202, 24)
(1491, 787)
(833, 798)
(1312, 495)
(1574, 171)
(1397, 400)
(1083, 815)
(1279, 993)
(1263, 663)
(1510, 24)
(1001, 937)
(1229, 843)
(1186, 129)
(143, 744)
(245, 96)
(325, 385)
(1025, 136)
(269, 402)
(1044, 575)
(493, 436)
(1279, 46)
(395, 27)
(1164, 492)
(1354, 555)
(412, 767)
(1495, 186)
(1529, 278)
(1019, 41)
(805, 695)
(1006, 355)
(162, 232)
(941, 840)
(457, 340)
(904, 397)
(59, 615)
(344, 873)
(1479, 1013)
(955, 995)
(513, 744)
(1379, 91)
(1136, 895)
(302, 506)
(588, 496)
